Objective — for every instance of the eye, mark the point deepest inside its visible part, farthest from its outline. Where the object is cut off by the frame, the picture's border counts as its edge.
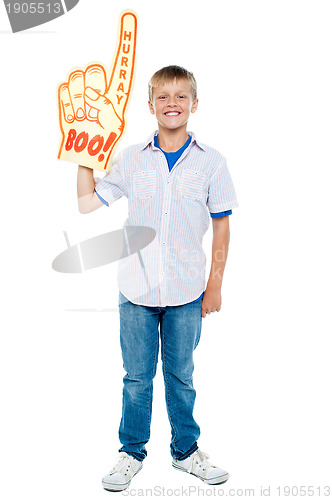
(161, 97)
(182, 96)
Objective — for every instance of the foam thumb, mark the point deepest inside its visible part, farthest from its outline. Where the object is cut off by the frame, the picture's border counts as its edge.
(94, 99)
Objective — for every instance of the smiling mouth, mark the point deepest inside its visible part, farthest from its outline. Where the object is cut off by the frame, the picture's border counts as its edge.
(172, 113)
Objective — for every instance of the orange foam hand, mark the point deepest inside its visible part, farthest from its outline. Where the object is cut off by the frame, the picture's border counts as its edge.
(92, 104)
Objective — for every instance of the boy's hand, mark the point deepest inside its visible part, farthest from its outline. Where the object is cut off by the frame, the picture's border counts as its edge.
(211, 301)
(92, 104)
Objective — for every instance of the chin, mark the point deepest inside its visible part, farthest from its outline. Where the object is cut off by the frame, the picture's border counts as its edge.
(174, 126)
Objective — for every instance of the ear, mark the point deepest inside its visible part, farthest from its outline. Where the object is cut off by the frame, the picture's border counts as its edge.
(194, 106)
(151, 107)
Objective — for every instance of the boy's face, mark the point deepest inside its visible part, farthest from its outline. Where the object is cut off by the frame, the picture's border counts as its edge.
(172, 104)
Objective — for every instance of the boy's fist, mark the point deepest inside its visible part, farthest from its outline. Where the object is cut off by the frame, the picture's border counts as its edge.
(92, 104)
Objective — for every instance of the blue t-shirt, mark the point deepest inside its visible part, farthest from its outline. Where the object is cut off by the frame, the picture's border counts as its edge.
(172, 158)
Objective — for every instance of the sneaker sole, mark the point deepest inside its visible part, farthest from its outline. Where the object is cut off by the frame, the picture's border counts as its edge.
(216, 480)
(118, 487)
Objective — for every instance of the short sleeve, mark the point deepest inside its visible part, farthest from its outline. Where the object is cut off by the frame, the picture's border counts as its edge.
(113, 185)
(220, 214)
(221, 192)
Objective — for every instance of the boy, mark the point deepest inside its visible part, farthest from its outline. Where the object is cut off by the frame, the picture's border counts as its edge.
(171, 183)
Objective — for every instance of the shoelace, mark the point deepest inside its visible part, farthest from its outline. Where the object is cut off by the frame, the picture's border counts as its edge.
(200, 459)
(123, 465)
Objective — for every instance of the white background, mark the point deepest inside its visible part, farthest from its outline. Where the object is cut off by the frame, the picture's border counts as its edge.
(263, 366)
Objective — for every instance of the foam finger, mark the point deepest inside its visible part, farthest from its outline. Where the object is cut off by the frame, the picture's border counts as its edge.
(76, 90)
(66, 108)
(95, 77)
(123, 67)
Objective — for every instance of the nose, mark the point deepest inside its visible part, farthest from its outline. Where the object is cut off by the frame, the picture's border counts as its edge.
(171, 102)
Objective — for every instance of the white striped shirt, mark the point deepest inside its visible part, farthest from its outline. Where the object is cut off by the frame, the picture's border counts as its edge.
(176, 204)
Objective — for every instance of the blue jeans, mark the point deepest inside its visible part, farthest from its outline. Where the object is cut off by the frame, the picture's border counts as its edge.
(180, 330)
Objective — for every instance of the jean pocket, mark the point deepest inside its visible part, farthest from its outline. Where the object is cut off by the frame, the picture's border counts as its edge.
(122, 299)
(191, 183)
(144, 183)
(199, 330)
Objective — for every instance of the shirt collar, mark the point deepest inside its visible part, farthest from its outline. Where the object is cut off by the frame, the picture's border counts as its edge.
(151, 141)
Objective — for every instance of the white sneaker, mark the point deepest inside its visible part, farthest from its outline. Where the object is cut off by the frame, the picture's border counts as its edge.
(122, 473)
(198, 465)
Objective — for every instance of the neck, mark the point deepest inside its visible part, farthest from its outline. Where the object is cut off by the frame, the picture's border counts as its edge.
(172, 140)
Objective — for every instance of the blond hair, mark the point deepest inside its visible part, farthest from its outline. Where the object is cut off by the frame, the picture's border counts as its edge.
(169, 73)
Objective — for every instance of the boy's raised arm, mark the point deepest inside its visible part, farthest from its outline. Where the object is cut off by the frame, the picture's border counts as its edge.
(87, 198)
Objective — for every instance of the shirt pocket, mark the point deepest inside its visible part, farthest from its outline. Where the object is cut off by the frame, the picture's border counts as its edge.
(191, 184)
(144, 183)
